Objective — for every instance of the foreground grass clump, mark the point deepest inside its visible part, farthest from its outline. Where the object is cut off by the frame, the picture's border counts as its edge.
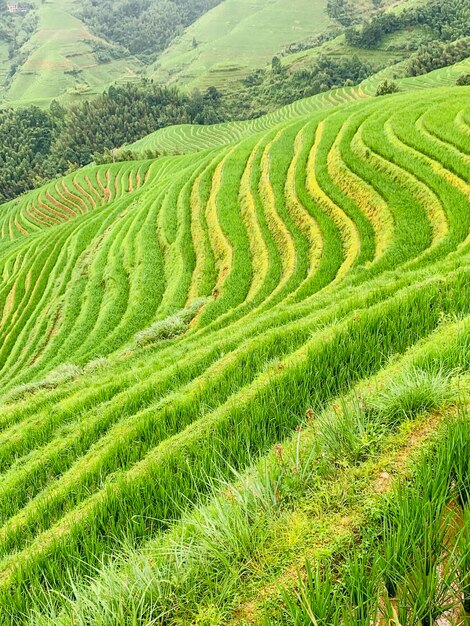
(411, 566)
(263, 335)
(415, 392)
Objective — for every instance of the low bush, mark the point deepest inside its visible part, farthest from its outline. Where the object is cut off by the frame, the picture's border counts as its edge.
(463, 80)
(386, 88)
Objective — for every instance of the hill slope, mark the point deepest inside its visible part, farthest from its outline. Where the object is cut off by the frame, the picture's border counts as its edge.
(164, 323)
(64, 58)
(76, 48)
(59, 59)
(192, 138)
(237, 36)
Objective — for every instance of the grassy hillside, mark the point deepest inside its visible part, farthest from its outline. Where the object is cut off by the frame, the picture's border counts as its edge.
(237, 37)
(64, 59)
(60, 60)
(215, 365)
(73, 49)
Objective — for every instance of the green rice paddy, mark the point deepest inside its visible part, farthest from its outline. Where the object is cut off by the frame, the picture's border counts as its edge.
(217, 366)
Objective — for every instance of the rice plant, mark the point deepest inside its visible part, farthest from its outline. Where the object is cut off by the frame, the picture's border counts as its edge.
(464, 559)
(417, 552)
(203, 357)
(318, 599)
(360, 585)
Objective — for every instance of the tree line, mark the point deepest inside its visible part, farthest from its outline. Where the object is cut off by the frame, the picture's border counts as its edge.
(37, 145)
(438, 54)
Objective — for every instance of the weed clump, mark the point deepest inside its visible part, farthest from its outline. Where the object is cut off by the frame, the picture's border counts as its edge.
(65, 373)
(416, 391)
(95, 365)
(348, 434)
(170, 327)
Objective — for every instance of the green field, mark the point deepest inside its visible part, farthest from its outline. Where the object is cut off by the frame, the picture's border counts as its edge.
(60, 61)
(209, 361)
(239, 36)
(236, 37)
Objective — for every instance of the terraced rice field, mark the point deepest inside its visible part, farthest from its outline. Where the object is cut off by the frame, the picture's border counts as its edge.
(446, 76)
(191, 138)
(185, 138)
(171, 329)
(58, 61)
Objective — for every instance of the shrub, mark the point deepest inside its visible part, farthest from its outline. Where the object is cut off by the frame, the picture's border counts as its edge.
(463, 80)
(386, 88)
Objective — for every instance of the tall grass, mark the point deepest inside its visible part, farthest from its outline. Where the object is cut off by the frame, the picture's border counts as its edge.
(292, 470)
(412, 565)
(416, 391)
